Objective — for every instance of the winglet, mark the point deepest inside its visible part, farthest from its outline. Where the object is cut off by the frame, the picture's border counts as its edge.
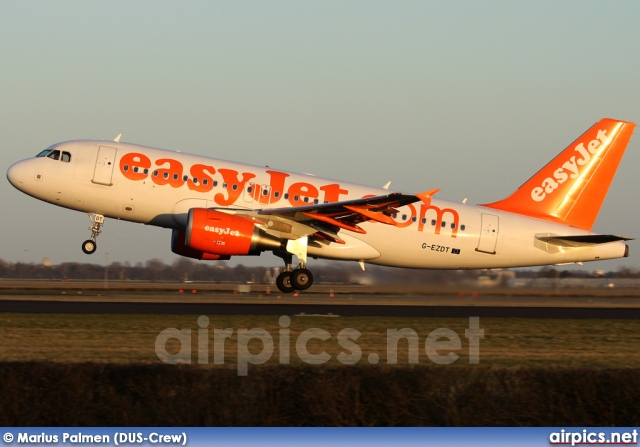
(571, 188)
(337, 223)
(426, 196)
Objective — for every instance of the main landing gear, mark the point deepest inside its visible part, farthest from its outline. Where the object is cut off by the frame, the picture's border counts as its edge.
(89, 246)
(298, 279)
(290, 280)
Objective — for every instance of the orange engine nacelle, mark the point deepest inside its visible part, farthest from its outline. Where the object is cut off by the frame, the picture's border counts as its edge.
(213, 232)
(180, 248)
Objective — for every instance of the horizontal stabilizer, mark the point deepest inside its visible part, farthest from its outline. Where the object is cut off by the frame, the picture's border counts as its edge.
(581, 241)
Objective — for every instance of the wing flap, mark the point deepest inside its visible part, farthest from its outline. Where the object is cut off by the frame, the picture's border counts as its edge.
(338, 223)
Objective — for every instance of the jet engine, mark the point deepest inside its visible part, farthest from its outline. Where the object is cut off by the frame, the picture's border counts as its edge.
(211, 232)
(180, 248)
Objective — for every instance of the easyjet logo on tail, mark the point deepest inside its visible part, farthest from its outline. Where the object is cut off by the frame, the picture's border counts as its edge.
(570, 169)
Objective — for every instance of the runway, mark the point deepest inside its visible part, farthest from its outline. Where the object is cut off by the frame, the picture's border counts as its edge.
(164, 298)
(323, 309)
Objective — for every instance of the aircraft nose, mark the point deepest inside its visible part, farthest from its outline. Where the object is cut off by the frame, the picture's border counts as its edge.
(15, 174)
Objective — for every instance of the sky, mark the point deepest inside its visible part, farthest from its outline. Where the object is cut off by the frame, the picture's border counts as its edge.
(469, 97)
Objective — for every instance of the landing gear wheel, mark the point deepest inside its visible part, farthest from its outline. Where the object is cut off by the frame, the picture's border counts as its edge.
(301, 279)
(283, 281)
(89, 246)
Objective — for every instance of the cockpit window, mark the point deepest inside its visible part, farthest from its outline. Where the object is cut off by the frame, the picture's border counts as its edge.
(55, 155)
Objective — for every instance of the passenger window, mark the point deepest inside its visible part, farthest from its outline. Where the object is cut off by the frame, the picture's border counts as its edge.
(166, 175)
(205, 182)
(453, 226)
(155, 173)
(443, 224)
(234, 187)
(125, 168)
(433, 222)
(185, 178)
(175, 176)
(462, 227)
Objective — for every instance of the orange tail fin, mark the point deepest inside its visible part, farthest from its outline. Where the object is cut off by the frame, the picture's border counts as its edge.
(571, 188)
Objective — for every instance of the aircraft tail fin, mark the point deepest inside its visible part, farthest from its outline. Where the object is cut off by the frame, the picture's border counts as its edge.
(571, 188)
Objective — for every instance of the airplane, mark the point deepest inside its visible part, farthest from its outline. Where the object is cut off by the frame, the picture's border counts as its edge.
(217, 208)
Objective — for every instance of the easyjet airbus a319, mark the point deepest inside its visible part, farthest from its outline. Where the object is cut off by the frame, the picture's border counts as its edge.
(217, 208)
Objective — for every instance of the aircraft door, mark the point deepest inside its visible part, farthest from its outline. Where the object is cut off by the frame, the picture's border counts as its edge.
(105, 162)
(255, 192)
(265, 194)
(488, 234)
(249, 191)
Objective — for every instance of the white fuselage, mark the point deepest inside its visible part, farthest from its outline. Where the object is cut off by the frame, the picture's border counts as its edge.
(158, 187)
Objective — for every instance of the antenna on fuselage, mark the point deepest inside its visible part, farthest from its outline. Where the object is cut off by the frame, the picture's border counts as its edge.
(117, 139)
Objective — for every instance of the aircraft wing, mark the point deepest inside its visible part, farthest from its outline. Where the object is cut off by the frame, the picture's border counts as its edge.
(323, 221)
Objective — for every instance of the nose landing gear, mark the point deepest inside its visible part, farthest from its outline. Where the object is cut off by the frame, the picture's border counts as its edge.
(97, 220)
